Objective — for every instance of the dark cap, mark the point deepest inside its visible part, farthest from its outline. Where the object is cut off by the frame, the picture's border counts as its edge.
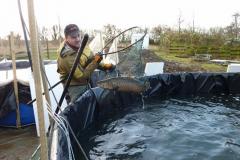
(71, 30)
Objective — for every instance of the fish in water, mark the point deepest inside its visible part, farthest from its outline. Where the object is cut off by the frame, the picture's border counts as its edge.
(124, 84)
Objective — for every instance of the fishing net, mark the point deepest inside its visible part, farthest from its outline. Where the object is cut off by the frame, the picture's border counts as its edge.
(124, 50)
(130, 61)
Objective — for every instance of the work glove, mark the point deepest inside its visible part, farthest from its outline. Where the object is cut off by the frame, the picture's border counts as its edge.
(98, 57)
(109, 67)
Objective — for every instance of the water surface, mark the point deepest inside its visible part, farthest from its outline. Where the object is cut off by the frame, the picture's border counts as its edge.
(172, 129)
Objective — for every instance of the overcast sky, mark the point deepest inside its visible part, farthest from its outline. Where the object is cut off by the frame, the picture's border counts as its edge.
(90, 14)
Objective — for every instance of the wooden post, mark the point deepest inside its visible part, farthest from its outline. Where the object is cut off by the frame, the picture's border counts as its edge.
(47, 49)
(43, 73)
(37, 79)
(44, 78)
(45, 86)
(6, 55)
(15, 85)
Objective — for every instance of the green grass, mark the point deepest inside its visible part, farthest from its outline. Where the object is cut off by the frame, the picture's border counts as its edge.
(214, 67)
(21, 53)
(172, 57)
(52, 55)
(20, 56)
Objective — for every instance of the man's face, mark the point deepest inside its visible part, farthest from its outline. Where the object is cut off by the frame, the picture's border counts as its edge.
(74, 40)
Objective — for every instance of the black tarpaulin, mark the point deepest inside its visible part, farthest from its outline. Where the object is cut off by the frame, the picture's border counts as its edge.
(8, 99)
(97, 104)
(193, 83)
(93, 106)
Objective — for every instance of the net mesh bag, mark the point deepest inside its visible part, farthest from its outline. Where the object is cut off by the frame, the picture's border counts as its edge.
(130, 61)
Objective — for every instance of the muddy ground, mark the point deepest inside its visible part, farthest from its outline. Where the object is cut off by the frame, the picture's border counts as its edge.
(170, 67)
(18, 144)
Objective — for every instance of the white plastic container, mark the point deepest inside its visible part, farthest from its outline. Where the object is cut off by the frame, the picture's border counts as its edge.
(153, 68)
(233, 68)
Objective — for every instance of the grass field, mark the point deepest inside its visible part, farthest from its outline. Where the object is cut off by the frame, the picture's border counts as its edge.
(52, 55)
(188, 60)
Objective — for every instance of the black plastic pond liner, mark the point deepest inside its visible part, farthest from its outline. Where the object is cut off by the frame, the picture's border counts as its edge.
(97, 104)
(193, 83)
(8, 99)
(93, 106)
(20, 64)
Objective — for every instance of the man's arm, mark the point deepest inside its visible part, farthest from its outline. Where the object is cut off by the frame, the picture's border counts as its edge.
(81, 73)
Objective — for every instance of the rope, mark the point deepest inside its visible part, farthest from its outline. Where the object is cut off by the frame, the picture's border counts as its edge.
(65, 127)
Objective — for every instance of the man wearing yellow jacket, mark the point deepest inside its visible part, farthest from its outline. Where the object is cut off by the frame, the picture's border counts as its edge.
(87, 63)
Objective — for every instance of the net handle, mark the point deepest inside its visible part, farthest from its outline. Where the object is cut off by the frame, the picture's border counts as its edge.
(125, 47)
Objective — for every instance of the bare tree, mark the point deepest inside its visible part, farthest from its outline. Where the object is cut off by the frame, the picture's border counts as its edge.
(55, 32)
(229, 31)
(180, 21)
(109, 31)
(156, 33)
(17, 40)
(236, 15)
(193, 25)
(44, 34)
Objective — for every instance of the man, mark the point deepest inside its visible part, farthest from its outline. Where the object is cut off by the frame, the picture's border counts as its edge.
(87, 63)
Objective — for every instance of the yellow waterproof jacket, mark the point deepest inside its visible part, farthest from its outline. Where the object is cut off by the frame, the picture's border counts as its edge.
(65, 60)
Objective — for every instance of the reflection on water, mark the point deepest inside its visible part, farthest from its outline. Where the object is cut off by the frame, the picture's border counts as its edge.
(172, 129)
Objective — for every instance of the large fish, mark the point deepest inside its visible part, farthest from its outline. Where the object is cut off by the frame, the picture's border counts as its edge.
(124, 84)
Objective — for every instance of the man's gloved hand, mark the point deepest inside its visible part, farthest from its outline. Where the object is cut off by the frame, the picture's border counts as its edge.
(98, 57)
(109, 67)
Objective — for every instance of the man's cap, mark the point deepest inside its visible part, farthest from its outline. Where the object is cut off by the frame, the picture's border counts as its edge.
(71, 30)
